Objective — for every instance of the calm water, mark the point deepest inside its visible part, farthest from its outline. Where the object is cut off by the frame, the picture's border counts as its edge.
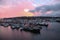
(50, 33)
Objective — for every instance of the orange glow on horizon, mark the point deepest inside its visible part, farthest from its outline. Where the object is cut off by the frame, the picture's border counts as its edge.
(28, 14)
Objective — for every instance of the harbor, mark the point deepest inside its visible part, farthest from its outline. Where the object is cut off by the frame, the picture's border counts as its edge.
(32, 29)
(29, 19)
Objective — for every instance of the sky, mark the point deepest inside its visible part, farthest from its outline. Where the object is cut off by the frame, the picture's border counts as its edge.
(18, 8)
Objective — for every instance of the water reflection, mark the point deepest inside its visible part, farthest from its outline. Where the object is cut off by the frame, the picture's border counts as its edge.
(47, 33)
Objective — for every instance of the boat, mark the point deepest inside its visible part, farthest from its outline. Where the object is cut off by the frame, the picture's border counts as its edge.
(12, 27)
(57, 20)
(4, 24)
(15, 26)
(42, 24)
(29, 29)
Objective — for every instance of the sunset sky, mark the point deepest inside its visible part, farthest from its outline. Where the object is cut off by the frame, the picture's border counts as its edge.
(18, 8)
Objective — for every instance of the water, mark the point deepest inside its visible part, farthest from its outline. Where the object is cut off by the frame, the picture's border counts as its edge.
(50, 33)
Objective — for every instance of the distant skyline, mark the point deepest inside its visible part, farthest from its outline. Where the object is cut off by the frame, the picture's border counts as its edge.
(17, 8)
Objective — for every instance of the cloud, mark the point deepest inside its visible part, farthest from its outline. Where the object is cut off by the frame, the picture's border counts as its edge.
(55, 8)
(10, 2)
(1, 2)
(14, 8)
(53, 14)
(46, 8)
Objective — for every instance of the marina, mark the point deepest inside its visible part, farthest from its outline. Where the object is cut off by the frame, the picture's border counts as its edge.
(50, 33)
(32, 29)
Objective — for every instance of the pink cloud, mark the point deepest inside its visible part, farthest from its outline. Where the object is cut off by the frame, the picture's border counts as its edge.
(14, 10)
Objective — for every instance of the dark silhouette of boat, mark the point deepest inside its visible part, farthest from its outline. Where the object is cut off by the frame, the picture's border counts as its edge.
(57, 20)
(42, 24)
(29, 29)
